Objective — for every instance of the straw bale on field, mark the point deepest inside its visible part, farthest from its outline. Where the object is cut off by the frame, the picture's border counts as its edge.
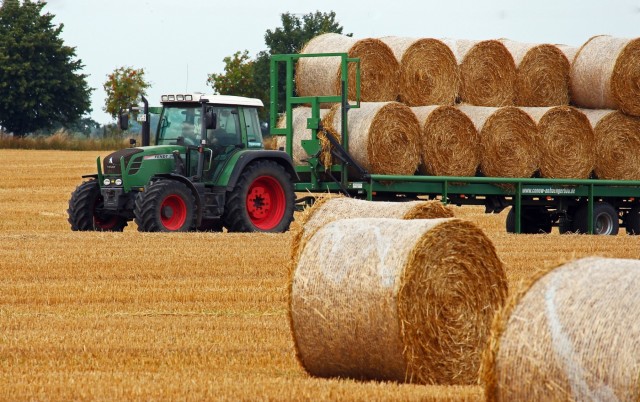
(329, 209)
(571, 333)
(300, 133)
(399, 300)
(570, 53)
(487, 72)
(509, 141)
(617, 144)
(379, 68)
(566, 142)
(429, 73)
(383, 136)
(449, 142)
(542, 74)
(605, 74)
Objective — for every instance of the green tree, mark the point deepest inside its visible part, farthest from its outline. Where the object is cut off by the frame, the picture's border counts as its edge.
(40, 79)
(245, 77)
(124, 86)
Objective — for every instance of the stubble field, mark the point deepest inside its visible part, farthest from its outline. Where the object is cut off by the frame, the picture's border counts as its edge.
(196, 316)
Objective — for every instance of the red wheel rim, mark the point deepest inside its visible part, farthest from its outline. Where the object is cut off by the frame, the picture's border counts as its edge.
(173, 212)
(266, 202)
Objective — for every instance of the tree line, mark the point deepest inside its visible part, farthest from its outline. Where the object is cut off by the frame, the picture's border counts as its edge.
(43, 86)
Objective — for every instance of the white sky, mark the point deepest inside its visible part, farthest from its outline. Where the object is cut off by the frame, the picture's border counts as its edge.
(179, 42)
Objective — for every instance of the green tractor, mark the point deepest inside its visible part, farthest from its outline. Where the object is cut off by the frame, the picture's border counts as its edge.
(207, 170)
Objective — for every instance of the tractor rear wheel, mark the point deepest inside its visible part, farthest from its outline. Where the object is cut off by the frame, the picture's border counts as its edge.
(165, 206)
(85, 210)
(261, 201)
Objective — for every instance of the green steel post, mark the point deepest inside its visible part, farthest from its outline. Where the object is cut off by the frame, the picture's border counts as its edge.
(315, 114)
(518, 205)
(288, 97)
(445, 192)
(590, 210)
(273, 93)
(344, 109)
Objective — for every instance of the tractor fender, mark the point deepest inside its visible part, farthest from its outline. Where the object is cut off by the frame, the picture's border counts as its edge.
(280, 157)
(191, 185)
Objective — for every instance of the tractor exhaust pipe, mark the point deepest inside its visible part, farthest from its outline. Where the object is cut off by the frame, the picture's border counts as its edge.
(146, 125)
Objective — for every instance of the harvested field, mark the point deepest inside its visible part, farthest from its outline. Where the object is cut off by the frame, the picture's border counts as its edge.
(132, 316)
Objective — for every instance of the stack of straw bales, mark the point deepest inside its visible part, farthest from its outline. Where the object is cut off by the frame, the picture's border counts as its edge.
(383, 136)
(542, 74)
(605, 74)
(509, 141)
(570, 334)
(399, 300)
(429, 72)
(449, 142)
(322, 76)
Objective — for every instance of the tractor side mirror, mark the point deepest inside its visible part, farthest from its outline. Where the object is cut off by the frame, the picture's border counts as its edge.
(123, 121)
(210, 120)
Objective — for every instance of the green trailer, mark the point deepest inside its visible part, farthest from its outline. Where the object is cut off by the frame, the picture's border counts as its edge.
(536, 204)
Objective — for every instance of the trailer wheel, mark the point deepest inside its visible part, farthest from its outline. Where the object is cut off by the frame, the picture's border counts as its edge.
(165, 206)
(605, 219)
(534, 220)
(632, 221)
(85, 210)
(263, 199)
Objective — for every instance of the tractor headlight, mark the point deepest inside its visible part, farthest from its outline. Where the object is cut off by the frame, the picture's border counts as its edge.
(118, 182)
(106, 182)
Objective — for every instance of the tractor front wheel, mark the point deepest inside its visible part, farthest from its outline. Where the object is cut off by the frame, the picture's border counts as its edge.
(165, 206)
(262, 200)
(85, 210)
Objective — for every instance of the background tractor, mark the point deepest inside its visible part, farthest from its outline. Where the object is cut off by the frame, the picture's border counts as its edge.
(207, 170)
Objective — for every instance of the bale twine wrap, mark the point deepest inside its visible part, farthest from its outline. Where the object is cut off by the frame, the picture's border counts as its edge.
(487, 72)
(383, 137)
(379, 68)
(509, 141)
(570, 334)
(542, 74)
(329, 209)
(429, 73)
(617, 144)
(566, 142)
(605, 74)
(449, 142)
(399, 300)
(300, 132)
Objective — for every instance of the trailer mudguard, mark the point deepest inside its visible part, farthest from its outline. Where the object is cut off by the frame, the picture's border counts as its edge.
(236, 164)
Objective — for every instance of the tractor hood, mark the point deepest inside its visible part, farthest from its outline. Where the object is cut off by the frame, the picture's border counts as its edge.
(111, 163)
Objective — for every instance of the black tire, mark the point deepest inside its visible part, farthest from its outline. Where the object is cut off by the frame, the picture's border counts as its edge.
(605, 219)
(534, 220)
(85, 210)
(632, 221)
(262, 200)
(165, 206)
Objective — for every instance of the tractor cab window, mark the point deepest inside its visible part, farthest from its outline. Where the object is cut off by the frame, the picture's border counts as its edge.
(254, 133)
(227, 130)
(180, 122)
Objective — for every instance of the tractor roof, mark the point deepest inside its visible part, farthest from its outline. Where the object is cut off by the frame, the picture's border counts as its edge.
(215, 99)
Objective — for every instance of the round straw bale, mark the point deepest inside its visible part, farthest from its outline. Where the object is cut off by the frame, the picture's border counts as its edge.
(300, 132)
(399, 300)
(383, 136)
(509, 141)
(566, 142)
(569, 335)
(542, 74)
(617, 144)
(329, 209)
(570, 53)
(449, 144)
(605, 74)
(429, 73)
(379, 68)
(487, 72)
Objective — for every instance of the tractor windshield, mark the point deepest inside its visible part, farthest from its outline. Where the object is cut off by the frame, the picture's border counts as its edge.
(179, 122)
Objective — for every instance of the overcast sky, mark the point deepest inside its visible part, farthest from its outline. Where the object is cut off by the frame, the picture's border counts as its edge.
(179, 42)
